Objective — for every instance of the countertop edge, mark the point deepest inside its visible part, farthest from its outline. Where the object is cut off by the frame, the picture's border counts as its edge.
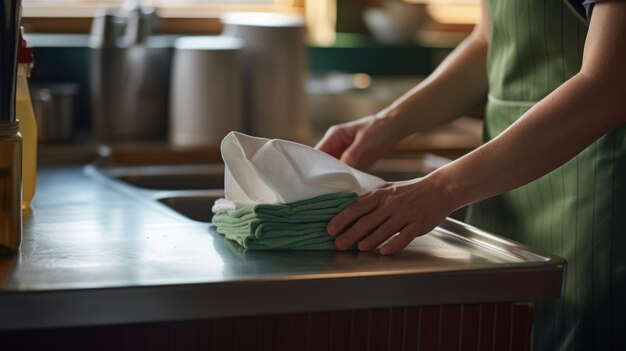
(108, 306)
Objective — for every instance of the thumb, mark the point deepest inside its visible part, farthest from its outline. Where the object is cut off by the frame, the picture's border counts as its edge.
(334, 142)
(354, 155)
(331, 146)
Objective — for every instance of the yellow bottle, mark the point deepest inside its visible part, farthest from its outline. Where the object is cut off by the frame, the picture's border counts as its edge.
(10, 187)
(28, 125)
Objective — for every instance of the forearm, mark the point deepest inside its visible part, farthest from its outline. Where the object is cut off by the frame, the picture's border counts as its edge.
(556, 129)
(456, 86)
(548, 135)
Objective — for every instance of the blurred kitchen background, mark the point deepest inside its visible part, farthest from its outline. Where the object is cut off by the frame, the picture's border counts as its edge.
(178, 74)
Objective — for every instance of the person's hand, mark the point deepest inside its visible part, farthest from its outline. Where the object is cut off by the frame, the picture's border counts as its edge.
(360, 143)
(410, 208)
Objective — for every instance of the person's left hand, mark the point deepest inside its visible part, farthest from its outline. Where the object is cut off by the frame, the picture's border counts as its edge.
(410, 208)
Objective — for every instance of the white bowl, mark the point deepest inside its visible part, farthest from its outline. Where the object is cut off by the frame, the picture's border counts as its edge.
(396, 23)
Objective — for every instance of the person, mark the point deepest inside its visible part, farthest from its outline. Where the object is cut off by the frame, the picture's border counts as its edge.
(552, 170)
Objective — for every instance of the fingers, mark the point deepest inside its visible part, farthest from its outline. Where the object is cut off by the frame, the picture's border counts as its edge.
(353, 155)
(407, 209)
(334, 142)
(350, 214)
(407, 234)
(358, 143)
(362, 228)
(382, 233)
(362, 151)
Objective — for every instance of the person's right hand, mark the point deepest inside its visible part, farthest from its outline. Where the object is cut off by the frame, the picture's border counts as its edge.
(360, 143)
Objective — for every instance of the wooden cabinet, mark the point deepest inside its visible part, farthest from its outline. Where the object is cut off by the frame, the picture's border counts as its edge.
(487, 326)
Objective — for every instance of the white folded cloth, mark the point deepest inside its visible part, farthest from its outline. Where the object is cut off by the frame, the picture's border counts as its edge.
(274, 171)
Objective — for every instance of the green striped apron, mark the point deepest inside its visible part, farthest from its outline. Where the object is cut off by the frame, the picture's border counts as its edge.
(577, 211)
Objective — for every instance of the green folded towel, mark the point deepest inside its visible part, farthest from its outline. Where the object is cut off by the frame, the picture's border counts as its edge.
(298, 225)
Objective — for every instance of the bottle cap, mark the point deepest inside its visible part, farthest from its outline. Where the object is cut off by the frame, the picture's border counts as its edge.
(9, 128)
(25, 53)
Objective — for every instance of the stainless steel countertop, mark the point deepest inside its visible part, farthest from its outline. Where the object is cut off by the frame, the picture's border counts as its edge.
(94, 253)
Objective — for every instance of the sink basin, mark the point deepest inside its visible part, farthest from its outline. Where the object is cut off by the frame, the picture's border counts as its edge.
(191, 190)
(201, 177)
(196, 207)
(186, 177)
(176, 181)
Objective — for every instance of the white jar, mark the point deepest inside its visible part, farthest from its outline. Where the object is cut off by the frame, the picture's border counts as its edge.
(276, 68)
(206, 90)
